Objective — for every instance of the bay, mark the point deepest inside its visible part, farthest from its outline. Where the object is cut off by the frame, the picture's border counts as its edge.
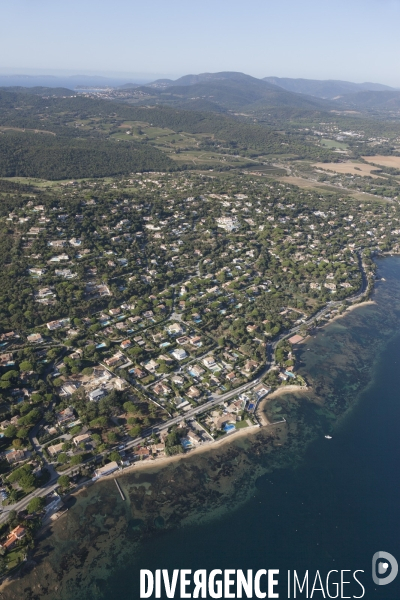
(285, 497)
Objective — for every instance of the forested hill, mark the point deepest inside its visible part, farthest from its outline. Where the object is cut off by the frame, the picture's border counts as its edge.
(41, 91)
(77, 137)
(49, 157)
(84, 131)
(37, 140)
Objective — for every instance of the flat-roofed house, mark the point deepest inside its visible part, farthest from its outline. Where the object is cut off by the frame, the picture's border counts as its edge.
(106, 470)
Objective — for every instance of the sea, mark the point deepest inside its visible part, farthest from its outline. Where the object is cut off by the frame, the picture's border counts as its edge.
(284, 498)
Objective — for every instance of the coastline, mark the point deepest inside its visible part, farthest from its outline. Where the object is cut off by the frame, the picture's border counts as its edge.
(286, 389)
(158, 465)
(350, 309)
(166, 460)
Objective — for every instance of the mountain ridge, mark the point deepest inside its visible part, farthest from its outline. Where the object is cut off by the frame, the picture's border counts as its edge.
(325, 88)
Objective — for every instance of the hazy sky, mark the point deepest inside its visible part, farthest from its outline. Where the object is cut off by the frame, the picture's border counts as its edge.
(355, 40)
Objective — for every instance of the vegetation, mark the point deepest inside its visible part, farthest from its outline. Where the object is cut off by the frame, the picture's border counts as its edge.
(133, 287)
(36, 505)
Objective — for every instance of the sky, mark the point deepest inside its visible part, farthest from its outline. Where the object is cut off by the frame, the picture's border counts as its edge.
(354, 40)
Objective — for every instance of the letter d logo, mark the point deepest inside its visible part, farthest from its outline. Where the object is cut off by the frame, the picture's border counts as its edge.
(381, 561)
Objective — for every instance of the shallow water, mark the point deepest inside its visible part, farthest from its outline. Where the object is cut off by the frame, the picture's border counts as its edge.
(284, 497)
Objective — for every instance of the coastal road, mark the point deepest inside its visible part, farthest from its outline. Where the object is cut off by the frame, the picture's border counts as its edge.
(214, 401)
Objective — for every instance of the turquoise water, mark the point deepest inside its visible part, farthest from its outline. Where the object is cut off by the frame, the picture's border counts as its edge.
(282, 498)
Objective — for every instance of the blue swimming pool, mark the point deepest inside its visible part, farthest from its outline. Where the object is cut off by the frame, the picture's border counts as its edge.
(229, 428)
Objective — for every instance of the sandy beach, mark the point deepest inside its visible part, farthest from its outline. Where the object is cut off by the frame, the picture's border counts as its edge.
(349, 309)
(158, 463)
(285, 389)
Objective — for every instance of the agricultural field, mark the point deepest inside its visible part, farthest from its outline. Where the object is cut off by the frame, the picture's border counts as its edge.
(386, 161)
(352, 168)
(334, 144)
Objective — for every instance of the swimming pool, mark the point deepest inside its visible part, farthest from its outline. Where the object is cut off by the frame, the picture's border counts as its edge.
(229, 427)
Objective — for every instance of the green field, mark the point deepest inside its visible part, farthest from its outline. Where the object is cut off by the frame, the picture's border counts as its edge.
(241, 425)
(334, 144)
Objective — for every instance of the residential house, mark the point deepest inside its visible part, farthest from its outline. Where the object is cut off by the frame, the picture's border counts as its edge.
(97, 394)
(143, 452)
(196, 341)
(70, 387)
(59, 258)
(55, 449)
(167, 359)
(161, 389)
(35, 338)
(179, 354)
(57, 243)
(6, 359)
(175, 329)
(148, 314)
(37, 272)
(196, 371)
(6, 337)
(15, 456)
(159, 449)
(66, 273)
(18, 533)
(250, 365)
(209, 362)
(115, 359)
(119, 383)
(65, 416)
(193, 392)
(193, 438)
(223, 420)
(53, 325)
(100, 375)
(85, 437)
(151, 366)
(138, 373)
(260, 391)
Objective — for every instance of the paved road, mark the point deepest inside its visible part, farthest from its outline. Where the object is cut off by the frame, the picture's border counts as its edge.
(214, 401)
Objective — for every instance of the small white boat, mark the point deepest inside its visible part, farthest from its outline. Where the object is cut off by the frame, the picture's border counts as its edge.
(328, 437)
